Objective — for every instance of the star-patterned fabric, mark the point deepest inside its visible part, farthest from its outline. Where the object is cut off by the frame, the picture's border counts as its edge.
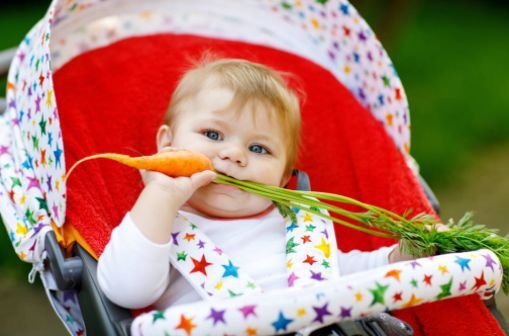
(311, 253)
(214, 275)
(395, 286)
(205, 265)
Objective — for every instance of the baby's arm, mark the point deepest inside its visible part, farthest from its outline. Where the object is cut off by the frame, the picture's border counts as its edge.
(133, 272)
(158, 203)
(357, 261)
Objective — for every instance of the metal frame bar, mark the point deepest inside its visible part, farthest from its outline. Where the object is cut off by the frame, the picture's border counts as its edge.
(6, 57)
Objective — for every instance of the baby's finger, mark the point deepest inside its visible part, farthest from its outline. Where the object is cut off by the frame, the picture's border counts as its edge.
(203, 178)
(168, 149)
(439, 227)
(144, 176)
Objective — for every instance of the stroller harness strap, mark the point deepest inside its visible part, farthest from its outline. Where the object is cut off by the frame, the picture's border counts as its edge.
(213, 274)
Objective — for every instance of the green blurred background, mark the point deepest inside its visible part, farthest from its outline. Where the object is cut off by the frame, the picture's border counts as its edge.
(453, 60)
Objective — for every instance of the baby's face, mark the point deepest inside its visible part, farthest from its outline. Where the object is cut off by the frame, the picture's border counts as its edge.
(247, 146)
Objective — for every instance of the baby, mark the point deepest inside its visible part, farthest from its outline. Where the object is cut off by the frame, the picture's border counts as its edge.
(244, 118)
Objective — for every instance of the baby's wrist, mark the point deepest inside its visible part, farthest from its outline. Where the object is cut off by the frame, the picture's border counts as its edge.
(390, 256)
(396, 255)
(154, 213)
(162, 193)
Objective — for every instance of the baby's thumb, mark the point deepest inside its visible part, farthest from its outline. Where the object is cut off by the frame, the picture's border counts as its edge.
(203, 178)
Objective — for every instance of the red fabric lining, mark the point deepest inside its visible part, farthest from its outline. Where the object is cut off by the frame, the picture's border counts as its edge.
(112, 100)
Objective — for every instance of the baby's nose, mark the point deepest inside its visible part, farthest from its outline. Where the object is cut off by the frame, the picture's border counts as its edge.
(235, 154)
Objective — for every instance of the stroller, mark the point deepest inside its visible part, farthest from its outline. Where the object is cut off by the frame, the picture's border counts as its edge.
(89, 67)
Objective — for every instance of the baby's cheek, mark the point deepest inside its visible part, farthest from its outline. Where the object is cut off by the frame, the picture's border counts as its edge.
(271, 177)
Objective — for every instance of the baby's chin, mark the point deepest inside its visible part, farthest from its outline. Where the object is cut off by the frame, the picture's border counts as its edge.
(225, 207)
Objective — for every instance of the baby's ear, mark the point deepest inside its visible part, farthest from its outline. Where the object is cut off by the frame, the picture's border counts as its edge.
(164, 137)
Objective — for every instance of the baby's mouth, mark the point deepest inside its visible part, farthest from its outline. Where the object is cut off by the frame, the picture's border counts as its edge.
(225, 174)
(227, 187)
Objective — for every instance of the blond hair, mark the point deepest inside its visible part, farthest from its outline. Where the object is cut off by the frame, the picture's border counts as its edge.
(250, 82)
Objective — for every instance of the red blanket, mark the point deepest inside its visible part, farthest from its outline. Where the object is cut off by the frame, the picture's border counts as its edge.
(112, 100)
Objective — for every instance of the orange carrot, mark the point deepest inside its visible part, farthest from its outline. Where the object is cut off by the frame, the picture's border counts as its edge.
(175, 162)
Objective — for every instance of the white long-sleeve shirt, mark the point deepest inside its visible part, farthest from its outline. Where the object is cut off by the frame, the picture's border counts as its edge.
(135, 272)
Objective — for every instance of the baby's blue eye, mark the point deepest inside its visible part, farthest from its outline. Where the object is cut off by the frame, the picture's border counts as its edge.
(213, 135)
(258, 149)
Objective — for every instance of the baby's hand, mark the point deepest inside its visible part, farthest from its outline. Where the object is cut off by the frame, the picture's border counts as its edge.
(396, 255)
(155, 209)
(179, 189)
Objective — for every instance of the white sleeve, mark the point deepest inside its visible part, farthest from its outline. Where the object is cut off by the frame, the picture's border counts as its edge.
(356, 261)
(133, 272)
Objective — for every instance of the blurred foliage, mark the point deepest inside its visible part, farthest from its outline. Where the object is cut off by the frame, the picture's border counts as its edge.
(16, 19)
(10, 264)
(452, 59)
(453, 63)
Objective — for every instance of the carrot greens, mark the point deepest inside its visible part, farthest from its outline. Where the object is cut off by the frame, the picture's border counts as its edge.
(417, 234)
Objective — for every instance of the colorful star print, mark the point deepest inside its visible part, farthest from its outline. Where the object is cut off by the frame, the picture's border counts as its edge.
(479, 282)
(200, 266)
(217, 316)
(291, 227)
(346, 312)
(310, 227)
(414, 301)
(230, 270)
(290, 246)
(445, 290)
(394, 274)
(181, 256)
(378, 294)
(248, 311)
(321, 312)
(189, 236)
(250, 331)
(489, 261)
(281, 323)
(324, 247)
(157, 315)
(463, 262)
(186, 324)
(291, 279)
(309, 259)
